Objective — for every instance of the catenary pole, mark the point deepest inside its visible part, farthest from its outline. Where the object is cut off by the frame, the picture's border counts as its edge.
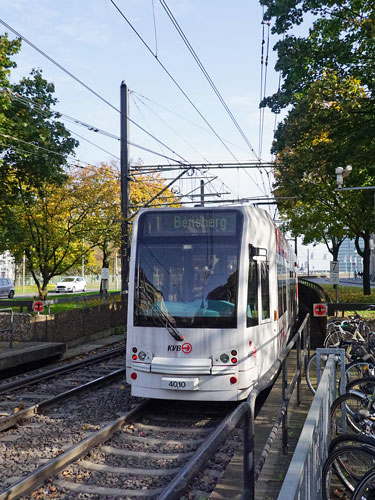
(124, 162)
(202, 193)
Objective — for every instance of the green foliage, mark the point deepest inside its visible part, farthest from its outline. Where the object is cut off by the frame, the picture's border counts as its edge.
(310, 145)
(341, 38)
(35, 146)
(329, 79)
(8, 48)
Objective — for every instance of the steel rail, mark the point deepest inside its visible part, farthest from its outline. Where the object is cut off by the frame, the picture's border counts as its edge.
(11, 420)
(36, 478)
(32, 379)
(181, 481)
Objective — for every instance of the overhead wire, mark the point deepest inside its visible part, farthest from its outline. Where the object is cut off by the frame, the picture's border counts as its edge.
(92, 128)
(144, 118)
(205, 73)
(171, 128)
(171, 77)
(155, 32)
(210, 81)
(186, 119)
(87, 87)
(263, 87)
(84, 85)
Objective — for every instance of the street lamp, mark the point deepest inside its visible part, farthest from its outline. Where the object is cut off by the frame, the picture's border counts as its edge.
(341, 173)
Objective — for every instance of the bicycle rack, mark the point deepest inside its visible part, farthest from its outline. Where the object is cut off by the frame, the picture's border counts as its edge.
(339, 355)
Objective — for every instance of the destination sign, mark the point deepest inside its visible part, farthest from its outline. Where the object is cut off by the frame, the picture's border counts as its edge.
(189, 223)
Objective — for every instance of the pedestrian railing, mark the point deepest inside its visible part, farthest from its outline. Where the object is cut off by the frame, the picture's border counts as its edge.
(303, 480)
(334, 308)
(252, 469)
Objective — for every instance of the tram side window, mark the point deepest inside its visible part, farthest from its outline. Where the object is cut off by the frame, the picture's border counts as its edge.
(252, 294)
(265, 289)
(281, 289)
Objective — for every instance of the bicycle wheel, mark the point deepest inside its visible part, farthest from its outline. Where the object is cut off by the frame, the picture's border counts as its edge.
(365, 489)
(349, 414)
(350, 440)
(359, 369)
(311, 375)
(333, 339)
(365, 385)
(344, 469)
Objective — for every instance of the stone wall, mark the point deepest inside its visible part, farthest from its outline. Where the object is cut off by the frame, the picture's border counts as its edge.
(66, 326)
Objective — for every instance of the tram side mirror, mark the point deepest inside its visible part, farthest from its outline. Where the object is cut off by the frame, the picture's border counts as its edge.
(255, 252)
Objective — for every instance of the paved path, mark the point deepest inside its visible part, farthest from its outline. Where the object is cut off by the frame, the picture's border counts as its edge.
(276, 466)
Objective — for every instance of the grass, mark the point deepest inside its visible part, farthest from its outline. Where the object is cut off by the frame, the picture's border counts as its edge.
(352, 294)
(57, 308)
(349, 294)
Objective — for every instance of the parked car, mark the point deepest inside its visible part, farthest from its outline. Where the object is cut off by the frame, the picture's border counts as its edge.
(6, 288)
(71, 284)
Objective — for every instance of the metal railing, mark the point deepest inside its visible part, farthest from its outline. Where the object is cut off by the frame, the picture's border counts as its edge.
(304, 477)
(245, 411)
(348, 306)
(253, 469)
(315, 286)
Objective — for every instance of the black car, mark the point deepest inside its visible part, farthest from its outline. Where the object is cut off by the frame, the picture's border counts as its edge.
(6, 288)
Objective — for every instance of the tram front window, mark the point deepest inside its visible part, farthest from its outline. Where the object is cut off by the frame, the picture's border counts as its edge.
(189, 281)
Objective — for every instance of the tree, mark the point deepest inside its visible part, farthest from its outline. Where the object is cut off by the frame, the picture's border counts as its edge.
(34, 149)
(103, 228)
(49, 231)
(8, 48)
(315, 138)
(341, 38)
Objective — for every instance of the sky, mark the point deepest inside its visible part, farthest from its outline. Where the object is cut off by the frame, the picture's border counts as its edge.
(93, 41)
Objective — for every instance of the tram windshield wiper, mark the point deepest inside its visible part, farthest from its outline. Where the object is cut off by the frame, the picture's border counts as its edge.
(165, 321)
(159, 315)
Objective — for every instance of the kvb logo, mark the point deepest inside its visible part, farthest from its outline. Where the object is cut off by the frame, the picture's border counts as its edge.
(186, 348)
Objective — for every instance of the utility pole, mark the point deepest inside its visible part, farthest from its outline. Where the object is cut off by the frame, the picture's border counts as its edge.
(202, 193)
(124, 161)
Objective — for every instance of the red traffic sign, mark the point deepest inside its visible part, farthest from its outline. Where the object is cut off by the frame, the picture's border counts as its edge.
(320, 309)
(38, 306)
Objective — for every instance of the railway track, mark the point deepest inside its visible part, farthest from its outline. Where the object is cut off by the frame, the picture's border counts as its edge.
(154, 451)
(23, 398)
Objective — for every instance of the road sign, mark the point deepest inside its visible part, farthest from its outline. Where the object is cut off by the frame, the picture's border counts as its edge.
(38, 306)
(334, 271)
(320, 309)
(105, 273)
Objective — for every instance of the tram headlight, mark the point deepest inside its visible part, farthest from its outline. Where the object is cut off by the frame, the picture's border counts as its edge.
(224, 358)
(142, 355)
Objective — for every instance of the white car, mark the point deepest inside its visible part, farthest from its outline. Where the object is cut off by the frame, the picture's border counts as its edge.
(71, 284)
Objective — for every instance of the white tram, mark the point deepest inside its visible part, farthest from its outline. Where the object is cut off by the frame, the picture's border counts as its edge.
(212, 299)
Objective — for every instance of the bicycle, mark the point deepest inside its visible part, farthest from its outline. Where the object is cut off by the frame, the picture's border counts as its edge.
(365, 489)
(344, 469)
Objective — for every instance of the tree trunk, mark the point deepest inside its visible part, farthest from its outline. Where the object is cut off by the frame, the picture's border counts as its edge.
(106, 257)
(365, 254)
